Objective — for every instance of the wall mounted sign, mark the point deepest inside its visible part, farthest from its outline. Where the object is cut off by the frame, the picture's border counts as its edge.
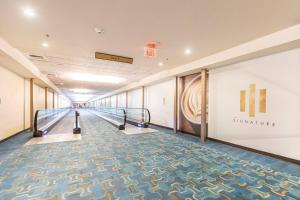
(110, 57)
(150, 50)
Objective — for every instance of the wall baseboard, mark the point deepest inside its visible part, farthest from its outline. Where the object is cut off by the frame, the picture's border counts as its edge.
(258, 151)
(161, 126)
(14, 135)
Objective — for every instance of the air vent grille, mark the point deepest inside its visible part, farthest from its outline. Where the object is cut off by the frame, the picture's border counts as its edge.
(36, 57)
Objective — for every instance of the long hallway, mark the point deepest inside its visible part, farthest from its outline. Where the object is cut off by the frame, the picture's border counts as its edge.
(107, 164)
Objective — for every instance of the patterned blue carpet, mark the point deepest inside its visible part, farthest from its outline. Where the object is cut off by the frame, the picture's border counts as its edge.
(107, 164)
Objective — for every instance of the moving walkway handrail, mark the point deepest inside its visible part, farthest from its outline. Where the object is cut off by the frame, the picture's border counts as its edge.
(136, 116)
(45, 119)
(143, 113)
(114, 112)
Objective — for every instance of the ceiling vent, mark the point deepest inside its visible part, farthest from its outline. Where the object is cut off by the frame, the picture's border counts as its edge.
(37, 57)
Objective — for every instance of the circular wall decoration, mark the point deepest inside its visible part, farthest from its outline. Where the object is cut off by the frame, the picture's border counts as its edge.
(191, 101)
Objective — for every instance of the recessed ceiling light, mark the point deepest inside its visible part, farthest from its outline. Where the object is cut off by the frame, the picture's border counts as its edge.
(45, 44)
(29, 12)
(188, 51)
(160, 64)
(99, 30)
(96, 78)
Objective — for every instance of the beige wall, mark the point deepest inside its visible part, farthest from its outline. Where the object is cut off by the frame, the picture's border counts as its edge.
(15, 102)
(27, 104)
(55, 100)
(12, 104)
(49, 99)
(38, 98)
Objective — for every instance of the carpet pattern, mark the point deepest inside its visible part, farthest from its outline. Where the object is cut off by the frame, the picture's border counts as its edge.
(107, 164)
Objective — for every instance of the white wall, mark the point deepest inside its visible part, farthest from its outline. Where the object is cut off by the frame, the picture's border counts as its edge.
(107, 102)
(63, 102)
(12, 104)
(135, 98)
(159, 99)
(279, 74)
(114, 101)
(122, 100)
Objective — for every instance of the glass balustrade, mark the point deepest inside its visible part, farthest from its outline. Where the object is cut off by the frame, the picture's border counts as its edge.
(45, 119)
(136, 116)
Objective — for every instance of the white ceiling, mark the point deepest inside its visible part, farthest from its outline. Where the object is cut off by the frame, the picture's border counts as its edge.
(205, 26)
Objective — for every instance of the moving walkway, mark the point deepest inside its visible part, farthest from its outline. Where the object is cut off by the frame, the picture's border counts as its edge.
(119, 117)
(45, 121)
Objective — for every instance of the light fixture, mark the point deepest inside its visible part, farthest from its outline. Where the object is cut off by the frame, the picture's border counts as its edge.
(96, 78)
(80, 97)
(81, 90)
(160, 64)
(29, 12)
(188, 51)
(45, 44)
(99, 30)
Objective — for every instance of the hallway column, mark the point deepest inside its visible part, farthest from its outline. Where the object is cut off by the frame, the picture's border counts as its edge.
(117, 96)
(31, 102)
(143, 97)
(46, 97)
(126, 99)
(143, 102)
(175, 105)
(53, 106)
(203, 131)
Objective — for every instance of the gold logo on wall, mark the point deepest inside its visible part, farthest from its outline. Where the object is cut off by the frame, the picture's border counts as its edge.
(262, 100)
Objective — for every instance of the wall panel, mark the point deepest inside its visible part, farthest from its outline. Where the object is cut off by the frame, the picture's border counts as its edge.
(135, 98)
(114, 101)
(257, 104)
(38, 98)
(49, 99)
(159, 99)
(121, 100)
(27, 104)
(12, 103)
